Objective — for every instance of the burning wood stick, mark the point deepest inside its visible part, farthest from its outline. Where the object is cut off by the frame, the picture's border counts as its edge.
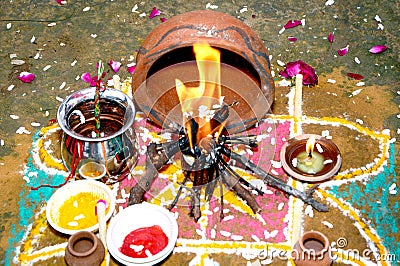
(195, 202)
(250, 141)
(211, 182)
(239, 178)
(154, 161)
(233, 183)
(275, 182)
(178, 194)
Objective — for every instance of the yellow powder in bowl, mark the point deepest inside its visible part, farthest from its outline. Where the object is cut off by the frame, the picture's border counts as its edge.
(78, 212)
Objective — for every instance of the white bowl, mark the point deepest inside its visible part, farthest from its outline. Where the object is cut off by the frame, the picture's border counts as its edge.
(62, 194)
(138, 216)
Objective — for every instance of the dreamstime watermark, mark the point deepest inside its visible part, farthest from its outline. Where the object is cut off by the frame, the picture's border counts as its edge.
(336, 251)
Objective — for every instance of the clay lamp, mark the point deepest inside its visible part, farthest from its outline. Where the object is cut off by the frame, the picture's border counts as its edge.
(310, 158)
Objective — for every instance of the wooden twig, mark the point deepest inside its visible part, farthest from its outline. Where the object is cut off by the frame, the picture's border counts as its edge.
(274, 181)
(155, 160)
(239, 190)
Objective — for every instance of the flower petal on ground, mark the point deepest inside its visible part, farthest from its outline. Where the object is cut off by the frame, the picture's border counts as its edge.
(299, 67)
(26, 77)
(343, 51)
(378, 49)
(115, 65)
(131, 69)
(86, 77)
(61, 2)
(355, 76)
(330, 37)
(163, 19)
(292, 24)
(155, 12)
(292, 38)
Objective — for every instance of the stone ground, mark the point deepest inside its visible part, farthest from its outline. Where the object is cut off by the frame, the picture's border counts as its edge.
(71, 38)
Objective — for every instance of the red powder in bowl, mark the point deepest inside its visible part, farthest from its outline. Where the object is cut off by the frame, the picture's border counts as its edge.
(144, 242)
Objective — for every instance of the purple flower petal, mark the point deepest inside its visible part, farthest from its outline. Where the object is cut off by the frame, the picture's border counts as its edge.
(131, 69)
(292, 38)
(115, 65)
(292, 24)
(299, 67)
(86, 77)
(163, 19)
(343, 51)
(330, 37)
(26, 77)
(378, 49)
(155, 12)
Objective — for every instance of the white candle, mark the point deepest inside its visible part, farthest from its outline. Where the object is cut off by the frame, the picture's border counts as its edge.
(310, 161)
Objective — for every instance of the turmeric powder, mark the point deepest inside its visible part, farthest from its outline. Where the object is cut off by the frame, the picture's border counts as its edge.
(78, 212)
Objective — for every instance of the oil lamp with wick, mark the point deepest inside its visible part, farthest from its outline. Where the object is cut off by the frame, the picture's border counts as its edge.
(310, 158)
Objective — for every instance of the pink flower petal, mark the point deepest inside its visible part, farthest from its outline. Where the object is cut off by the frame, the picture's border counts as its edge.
(299, 67)
(330, 37)
(378, 49)
(26, 77)
(61, 2)
(155, 12)
(95, 80)
(292, 24)
(343, 51)
(131, 69)
(163, 19)
(86, 77)
(292, 38)
(115, 65)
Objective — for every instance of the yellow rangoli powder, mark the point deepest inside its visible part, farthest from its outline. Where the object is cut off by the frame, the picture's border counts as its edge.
(78, 212)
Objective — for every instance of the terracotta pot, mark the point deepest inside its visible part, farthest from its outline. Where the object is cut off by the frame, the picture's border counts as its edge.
(245, 66)
(84, 248)
(312, 248)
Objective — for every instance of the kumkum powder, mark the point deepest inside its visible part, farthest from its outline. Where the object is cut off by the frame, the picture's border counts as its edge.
(144, 242)
(78, 212)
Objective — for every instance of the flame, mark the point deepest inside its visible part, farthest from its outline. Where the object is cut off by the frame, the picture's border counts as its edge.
(191, 98)
(310, 145)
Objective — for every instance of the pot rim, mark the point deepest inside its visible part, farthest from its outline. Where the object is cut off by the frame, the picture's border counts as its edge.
(82, 234)
(66, 106)
(314, 235)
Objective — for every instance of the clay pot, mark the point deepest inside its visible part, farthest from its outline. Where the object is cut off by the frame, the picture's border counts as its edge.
(84, 248)
(312, 248)
(245, 65)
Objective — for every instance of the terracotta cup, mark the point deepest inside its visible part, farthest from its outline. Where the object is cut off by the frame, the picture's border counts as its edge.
(84, 248)
(311, 249)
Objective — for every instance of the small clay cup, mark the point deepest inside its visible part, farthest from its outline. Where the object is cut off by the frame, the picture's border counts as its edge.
(311, 249)
(84, 248)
